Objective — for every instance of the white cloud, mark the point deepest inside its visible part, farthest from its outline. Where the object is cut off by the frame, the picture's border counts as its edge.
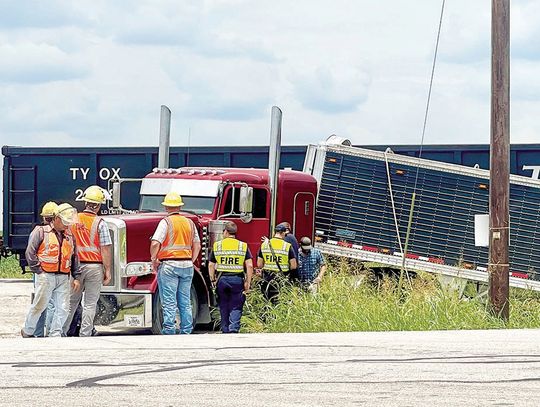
(332, 89)
(36, 63)
(35, 13)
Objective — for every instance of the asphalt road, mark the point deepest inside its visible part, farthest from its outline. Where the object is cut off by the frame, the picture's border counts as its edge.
(440, 368)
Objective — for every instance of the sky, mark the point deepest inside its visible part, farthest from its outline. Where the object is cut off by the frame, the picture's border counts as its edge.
(95, 73)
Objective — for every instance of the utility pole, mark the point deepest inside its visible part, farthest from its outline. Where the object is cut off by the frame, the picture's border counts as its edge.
(499, 185)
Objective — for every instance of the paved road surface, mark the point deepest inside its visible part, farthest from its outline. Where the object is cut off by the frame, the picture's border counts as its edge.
(448, 368)
(14, 302)
(472, 368)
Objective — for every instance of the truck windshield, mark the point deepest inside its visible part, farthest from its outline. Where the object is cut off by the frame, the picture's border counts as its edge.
(200, 205)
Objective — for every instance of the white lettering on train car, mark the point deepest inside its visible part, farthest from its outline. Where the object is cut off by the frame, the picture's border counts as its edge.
(106, 173)
(535, 170)
(84, 172)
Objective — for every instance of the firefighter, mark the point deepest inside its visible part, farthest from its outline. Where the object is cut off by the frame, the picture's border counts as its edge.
(233, 262)
(290, 238)
(94, 250)
(276, 259)
(175, 247)
(52, 256)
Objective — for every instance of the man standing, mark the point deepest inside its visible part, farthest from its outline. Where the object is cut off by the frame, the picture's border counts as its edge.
(94, 251)
(290, 238)
(44, 323)
(275, 258)
(51, 255)
(311, 265)
(175, 247)
(231, 257)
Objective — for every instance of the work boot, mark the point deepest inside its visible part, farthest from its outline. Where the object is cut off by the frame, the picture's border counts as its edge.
(25, 335)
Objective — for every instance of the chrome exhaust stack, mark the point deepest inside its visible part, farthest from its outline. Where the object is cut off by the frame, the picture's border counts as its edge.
(273, 163)
(164, 137)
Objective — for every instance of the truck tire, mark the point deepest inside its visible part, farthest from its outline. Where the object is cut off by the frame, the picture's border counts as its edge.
(157, 310)
(107, 310)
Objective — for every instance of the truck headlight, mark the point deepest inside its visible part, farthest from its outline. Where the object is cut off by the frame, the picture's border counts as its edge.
(137, 269)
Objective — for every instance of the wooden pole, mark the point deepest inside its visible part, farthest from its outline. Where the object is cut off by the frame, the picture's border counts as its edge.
(499, 189)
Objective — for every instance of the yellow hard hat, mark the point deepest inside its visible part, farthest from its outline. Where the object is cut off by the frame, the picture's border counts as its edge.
(67, 213)
(94, 194)
(172, 199)
(48, 209)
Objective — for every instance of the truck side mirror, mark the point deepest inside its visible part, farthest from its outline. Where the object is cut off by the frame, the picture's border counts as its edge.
(246, 203)
(116, 194)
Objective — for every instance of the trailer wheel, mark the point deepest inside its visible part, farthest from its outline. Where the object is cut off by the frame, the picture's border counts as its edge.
(157, 310)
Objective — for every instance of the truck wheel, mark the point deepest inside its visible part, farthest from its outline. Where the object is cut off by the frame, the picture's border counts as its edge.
(157, 310)
(107, 310)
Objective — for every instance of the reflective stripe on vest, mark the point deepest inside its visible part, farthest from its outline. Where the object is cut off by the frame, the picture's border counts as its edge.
(86, 235)
(51, 257)
(281, 250)
(230, 255)
(178, 240)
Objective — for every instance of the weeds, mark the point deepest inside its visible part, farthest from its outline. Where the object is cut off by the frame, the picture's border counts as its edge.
(9, 268)
(358, 302)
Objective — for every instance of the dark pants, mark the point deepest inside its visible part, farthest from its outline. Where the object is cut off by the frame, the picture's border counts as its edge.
(272, 283)
(231, 298)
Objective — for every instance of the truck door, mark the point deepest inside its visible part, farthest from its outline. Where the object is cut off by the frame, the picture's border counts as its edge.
(304, 215)
(250, 232)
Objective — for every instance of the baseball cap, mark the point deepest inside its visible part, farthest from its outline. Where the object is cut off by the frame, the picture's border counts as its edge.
(280, 228)
(305, 243)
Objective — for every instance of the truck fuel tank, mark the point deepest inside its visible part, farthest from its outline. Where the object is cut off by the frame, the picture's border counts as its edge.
(215, 231)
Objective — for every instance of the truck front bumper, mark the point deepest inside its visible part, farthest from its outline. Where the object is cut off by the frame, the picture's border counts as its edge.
(133, 310)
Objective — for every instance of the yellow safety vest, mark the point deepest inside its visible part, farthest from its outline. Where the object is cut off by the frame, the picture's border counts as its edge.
(230, 255)
(281, 251)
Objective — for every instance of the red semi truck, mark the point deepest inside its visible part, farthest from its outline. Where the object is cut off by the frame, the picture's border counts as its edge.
(252, 198)
(212, 197)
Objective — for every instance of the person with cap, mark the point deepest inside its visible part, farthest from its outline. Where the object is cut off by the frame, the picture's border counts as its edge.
(233, 262)
(44, 323)
(311, 265)
(51, 255)
(276, 259)
(175, 247)
(290, 238)
(94, 247)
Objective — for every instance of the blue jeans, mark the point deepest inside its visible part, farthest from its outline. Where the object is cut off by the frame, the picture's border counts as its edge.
(175, 293)
(230, 290)
(44, 323)
(49, 287)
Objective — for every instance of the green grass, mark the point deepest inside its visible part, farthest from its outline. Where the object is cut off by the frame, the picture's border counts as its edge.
(9, 268)
(349, 299)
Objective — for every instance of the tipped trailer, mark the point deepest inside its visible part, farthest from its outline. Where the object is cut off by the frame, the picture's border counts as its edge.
(364, 201)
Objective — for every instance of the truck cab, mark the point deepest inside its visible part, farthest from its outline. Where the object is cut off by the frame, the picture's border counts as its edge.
(212, 196)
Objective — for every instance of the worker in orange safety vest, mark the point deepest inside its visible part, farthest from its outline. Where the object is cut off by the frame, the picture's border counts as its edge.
(51, 255)
(175, 247)
(94, 247)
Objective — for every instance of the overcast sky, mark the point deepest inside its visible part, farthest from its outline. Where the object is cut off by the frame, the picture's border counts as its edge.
(95, 73)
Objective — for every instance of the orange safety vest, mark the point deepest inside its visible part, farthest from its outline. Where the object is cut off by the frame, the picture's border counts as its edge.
(51, 257)
(178, 240)
(87, 237)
